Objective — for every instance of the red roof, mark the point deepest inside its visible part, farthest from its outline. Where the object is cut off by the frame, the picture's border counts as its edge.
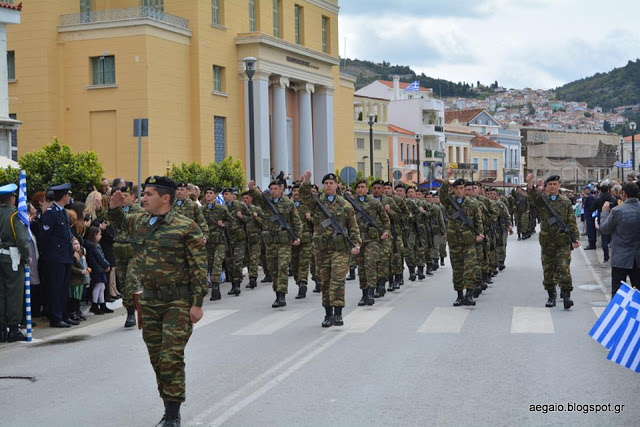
(403, 85)
(628, 138)
(463, 116)
(17, 7)
(398, 129)
(484, 142)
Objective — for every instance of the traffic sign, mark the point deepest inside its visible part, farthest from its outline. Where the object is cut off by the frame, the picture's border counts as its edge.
(397, 175)
(348, 174)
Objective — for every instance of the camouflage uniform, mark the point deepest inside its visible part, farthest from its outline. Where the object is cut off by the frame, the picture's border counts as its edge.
(398, 221)
(254, 228)
(414, 251)
(276, 239)
(170, 264)
(504, 222)
(301, 255)
(238, 236)
(428, 219)
(331, 250)
(439, 234)
(191, 210)
(216, 244)
(123, 251)
(387, 246)
(521, 213)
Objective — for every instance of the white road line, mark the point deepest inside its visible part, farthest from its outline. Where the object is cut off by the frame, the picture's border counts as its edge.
(444, 320)
(594, 274)
(532, 320)
(361, 320)
(598, 311)
(273, 322)
(211, 316)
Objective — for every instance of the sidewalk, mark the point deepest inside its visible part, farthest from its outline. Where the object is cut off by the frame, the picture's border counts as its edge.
(601, 269)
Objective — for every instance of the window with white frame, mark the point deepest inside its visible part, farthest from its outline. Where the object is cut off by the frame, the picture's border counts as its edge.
(252, 16)
(217, 16)
(220, 138)
(325, 34)
(377, 168)
(14, 140)
(361, 167)
(360, 143)
(299, 23)
(276, 17)
(495, 164)
(103, 70)
(377, 144)
(11, 65)
(218, 79)
(402, 151)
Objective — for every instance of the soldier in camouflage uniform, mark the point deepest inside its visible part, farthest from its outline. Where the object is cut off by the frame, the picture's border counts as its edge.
(170, 262)
(428, 212)
(387, 246)
(301, 255)
(330, 248)
(187, 207)
(254, 230)
(521, 213)
(438, 229)
(416, 239)
(277, 239)
(504, 227)
(442, 242)
(123, 251)
(373, 237)
(558, 237)
(462, 237)
(216, 216)
(396, 264)
(236, 238)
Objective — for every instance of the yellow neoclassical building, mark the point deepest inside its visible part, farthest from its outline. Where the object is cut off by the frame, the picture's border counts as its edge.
(83, 70)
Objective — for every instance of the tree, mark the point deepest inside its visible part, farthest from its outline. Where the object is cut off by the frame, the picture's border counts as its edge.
(227, 173)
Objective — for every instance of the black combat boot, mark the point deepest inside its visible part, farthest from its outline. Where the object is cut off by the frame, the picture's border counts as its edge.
(352, 273)
(421, 275)
(267, 279)
(3, 333)
(468, 298)
(380, 290)
(171, 416)
(459, 301)
(104, 309)
(430, 269)
(253, 282)
(477, 290)
(434, 264)
(495, 271)
(412, 274)
(280, 300)
(551, 302)
(398, 282)
(15, 334)
(215, 292)
(519, 236)
(302, 290)
(95, 309)
(131, 318)
(365, 297)
(502, 267)
(487, 279)
(328, 317)
(566, 299)
(441, 261)
(337, 316)
(235, 287)
(317, 289)
(392, 285)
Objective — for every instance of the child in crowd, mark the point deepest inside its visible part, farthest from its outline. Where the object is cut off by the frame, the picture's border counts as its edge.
(79, 280)
(99, 269)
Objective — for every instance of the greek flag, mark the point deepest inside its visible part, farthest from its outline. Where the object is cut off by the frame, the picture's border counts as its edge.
(608, 327)
(219, 199)
(625, 165)
(23, 213)
(626, 351)
(413, 87)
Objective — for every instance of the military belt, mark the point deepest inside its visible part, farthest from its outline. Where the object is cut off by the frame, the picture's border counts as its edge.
(166, 294)
(5, 252)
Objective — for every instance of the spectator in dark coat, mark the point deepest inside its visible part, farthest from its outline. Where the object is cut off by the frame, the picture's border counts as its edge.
(603, 198)
(589, 209)
(99, 268)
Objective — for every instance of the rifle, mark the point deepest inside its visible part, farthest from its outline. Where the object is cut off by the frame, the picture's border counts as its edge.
(555, 219)
(463, 217)
(277, 217)
(332, 221)
(394, 235)
(428, 226)
(227, 239)
(362, 213)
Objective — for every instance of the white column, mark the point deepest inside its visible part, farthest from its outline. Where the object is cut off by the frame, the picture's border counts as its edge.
(261, 128)
(396, 151)
(4, 88)
(305, 129)
(279, 147)
(323, 147)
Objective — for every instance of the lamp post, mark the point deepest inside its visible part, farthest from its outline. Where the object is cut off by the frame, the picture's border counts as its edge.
(250, 69)
(388, 171)
(620, 174)
(418, 137)
(632, 126)
(371, 121)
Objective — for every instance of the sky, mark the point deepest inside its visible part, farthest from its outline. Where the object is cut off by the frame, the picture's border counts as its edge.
(539, 44)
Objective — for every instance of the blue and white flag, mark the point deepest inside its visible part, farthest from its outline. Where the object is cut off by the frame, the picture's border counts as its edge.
(608, 327)
(219, 199)
(626, 351)
(623, 165)
(413, 87)
(23, 213)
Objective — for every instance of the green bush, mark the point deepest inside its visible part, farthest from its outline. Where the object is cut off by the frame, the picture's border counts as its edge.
(227, 173)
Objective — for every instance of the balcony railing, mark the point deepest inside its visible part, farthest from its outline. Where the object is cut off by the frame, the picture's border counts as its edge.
(468, 166)
(410, 162)
(488, 175)
(130, 14)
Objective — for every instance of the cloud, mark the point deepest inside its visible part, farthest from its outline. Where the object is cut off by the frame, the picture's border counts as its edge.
(433, 8)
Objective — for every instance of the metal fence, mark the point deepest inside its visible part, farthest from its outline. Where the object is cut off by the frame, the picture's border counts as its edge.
(112, 15)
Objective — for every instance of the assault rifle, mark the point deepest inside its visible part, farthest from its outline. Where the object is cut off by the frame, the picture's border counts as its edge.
(332, 221)
(362, 213)
(463, 217)
(557, 220)
(277, 218)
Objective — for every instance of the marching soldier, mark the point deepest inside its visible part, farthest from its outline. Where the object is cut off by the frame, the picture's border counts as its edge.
(335, 235)
(254, 230)
(396, 265)
(187, 207)
(438, 229)
(170, 263)
(521, 204)
(464, 231)
(442, 246)
(235, 236)
(504, 228)
(123, 250)
(301, 255)
(216, 216)
(558, 237)
(387, 246)
(14, 255)
(416, 238)
(429, 214)
(281, 230)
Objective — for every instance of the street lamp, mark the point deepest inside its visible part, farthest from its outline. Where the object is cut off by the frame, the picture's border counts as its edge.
(418, 137)
(371, 121)
(621, 175)
(632, 126)
(388, 171)
(250, 69)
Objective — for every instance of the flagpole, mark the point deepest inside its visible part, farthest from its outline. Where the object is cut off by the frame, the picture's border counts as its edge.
(24, 217)
(27, 295)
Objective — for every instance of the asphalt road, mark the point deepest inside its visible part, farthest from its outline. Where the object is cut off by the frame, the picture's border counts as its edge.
(411, 359)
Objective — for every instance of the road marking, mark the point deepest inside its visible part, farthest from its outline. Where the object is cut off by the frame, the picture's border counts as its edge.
(211, 316)
(362, 319)
(444, 320)
(273, 322)
(532, 320)
(594, 274)
(598, 311)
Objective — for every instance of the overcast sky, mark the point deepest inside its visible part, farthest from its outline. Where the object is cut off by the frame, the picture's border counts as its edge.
(519, 43)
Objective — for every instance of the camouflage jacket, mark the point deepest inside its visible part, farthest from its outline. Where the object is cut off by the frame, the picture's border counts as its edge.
(551, 234)
(212, 213)
(327, 239)
(307, 225)
(122, 234)
(191, 210)
(12, 233)
(504, 218)
(272, 231)
(376, 210)
(254, 226)
(169, 256)
(520, 204)
(237, 225)
(457, 231)
(395, 214)
(437, 224)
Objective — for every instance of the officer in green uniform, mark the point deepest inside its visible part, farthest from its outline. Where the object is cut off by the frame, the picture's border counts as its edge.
(123, 251)
(236, 238)
(558, 237)
(302, 255)
(521, 204)
(387, 246)
(481, 282)
(216, 216)
(276, 237)
(330, 246)
(416, 239)
(187, 207)
(254, 230)
(170, 262)
(438, 229)
(396, 264)
(428, 214)
(442, 249)
(504, 227)
(14, 255)
(464, 230)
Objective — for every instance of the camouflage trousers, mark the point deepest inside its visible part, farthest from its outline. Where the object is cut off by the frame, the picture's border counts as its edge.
(463, 263)
(480, 267)
(235, 262)
(397, 259)
(384, 262)
(263, 257)
(368, 260)
(440, 250)
(301, 259)
(414, 252)
(215, 258)
(127, 282)
(332, 268)
(501, 252)
(166, 331)
(556, 267)
(314, 270)
(253, 256)
(278, 259)
(522, 221)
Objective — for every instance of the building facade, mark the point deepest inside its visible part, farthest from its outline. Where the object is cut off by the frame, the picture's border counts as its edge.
(489, 158)
(368, 110)
(403, 151)
(86, 68)
(9, 14)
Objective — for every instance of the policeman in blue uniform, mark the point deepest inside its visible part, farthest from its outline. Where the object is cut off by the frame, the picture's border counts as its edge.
(58, 255)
